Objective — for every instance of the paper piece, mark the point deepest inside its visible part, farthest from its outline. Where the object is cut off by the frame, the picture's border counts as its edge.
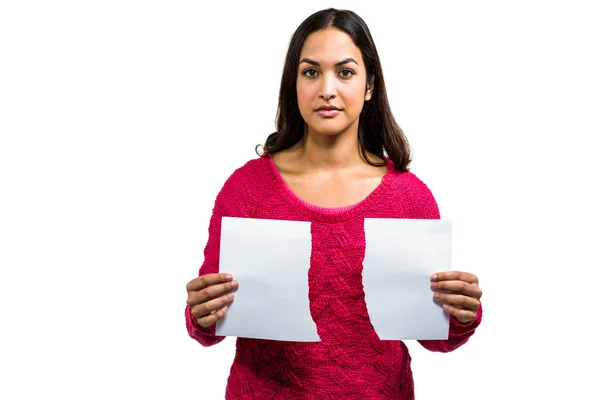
(270, 260)
(401, 255)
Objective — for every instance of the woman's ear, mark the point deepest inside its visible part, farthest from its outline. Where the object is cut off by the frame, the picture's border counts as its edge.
(369, 92)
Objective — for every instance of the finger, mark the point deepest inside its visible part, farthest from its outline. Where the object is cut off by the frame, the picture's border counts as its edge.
(203, 281)
(209, 293)
(455, 305)
(457, 300)
(459, 287)
(463, 316)
(212, 319)
(210, 307)
(454, 276)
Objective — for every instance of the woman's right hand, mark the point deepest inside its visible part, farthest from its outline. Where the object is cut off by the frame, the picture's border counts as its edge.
(208, 296)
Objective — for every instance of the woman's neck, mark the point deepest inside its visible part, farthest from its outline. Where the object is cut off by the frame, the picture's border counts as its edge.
(331, 152)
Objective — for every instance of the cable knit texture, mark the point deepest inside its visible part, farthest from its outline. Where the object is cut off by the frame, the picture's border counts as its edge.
(350, 362)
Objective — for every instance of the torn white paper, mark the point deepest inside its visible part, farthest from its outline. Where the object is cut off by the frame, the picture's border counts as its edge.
(270, 260)
(401, 255)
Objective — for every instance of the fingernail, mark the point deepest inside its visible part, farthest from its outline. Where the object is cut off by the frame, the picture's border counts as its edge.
(433, 285)
(230, 295)
(433, 277)
(228, 277)
(234, 284)
(436, 295)
(225, 308)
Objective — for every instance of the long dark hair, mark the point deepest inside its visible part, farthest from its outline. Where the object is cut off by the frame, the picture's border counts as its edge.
(378, 131)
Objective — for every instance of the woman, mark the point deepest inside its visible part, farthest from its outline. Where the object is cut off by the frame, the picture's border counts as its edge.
(337, 157)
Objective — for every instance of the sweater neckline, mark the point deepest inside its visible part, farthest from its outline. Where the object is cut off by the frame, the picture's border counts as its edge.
(327, 214)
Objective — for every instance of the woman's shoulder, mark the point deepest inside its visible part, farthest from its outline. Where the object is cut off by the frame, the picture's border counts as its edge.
(244, 183)
(248, 170)
(414, 195)
(246, 175)
(406, 181)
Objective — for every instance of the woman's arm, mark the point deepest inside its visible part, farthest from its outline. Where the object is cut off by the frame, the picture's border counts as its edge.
(417, 202)
(458, 335)
(233, 200)
(206, 336)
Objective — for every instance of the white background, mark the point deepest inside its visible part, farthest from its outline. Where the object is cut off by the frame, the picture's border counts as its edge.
(120, 121)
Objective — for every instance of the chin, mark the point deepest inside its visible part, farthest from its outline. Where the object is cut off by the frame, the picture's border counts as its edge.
(328, 128)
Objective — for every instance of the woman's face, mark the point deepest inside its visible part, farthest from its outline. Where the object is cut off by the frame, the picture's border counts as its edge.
(331, 75)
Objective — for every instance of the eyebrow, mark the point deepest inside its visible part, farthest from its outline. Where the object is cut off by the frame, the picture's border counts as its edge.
(337, 64)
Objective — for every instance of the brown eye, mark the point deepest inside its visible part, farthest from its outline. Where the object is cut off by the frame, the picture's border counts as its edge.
(310, 73)
(346, 73)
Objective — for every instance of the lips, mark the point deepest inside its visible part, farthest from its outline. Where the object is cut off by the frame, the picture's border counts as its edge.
(328, 111)
(328, 108)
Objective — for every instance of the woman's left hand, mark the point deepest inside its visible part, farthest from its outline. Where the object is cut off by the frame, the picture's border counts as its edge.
(459, 291)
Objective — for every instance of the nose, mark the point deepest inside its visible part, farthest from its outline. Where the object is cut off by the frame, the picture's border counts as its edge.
(327, 88)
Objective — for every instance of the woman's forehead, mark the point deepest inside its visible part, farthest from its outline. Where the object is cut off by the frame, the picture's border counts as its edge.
(329, 46)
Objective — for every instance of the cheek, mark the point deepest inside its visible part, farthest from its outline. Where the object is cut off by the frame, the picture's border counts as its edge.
(354, 97)
(305, 97)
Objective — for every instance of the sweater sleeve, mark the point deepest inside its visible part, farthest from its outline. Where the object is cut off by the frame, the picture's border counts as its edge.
(419, 203)
(233, 200)
(458, 335)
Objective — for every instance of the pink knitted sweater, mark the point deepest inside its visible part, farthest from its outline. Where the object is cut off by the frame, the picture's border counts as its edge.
(350, 362)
